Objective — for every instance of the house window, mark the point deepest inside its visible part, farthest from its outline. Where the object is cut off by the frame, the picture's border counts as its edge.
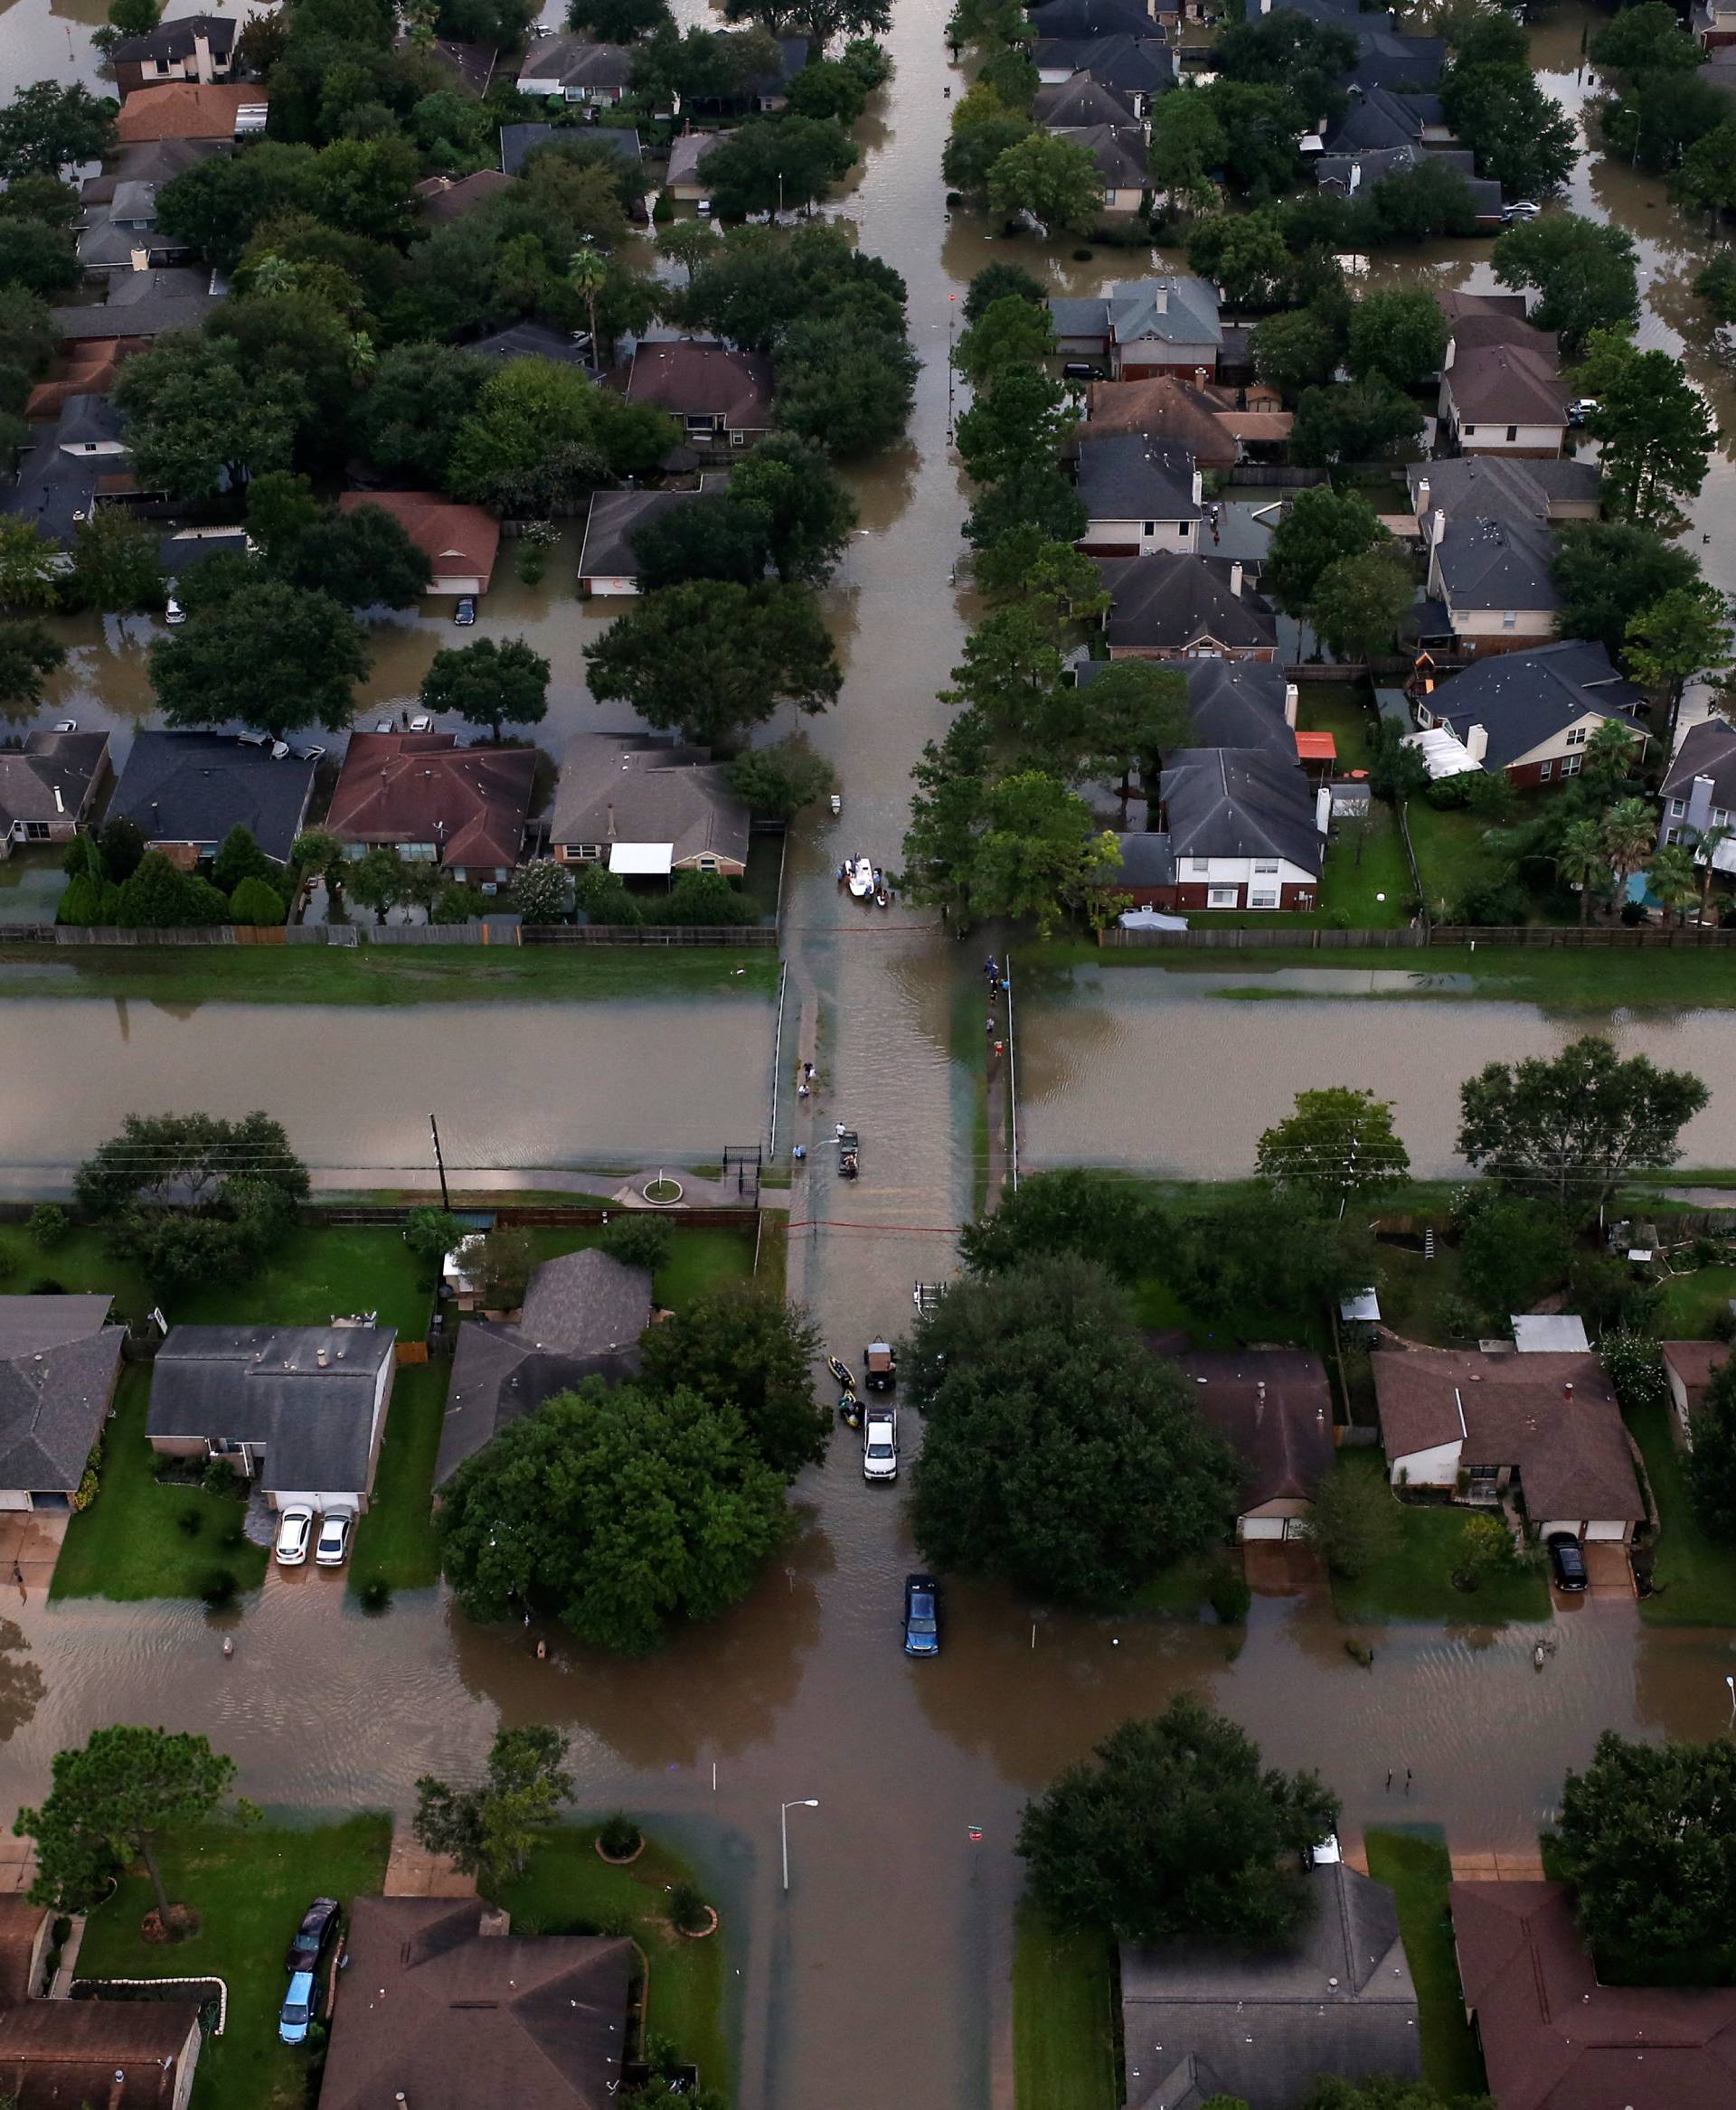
(708, 864)
(1720, 817)
(1425, 717)
(1151, 527)
(419, 852)
(1572, 765)
(1220, 897)
(1262, 900)
(1468, 430)
(35, 832)
(1485, 1483)
(1265, 866)
(1512, 434)
(1509, 619)
(1200, 865)
(1545, 770)
(1576, 736)
(1678, 806)
(586, 852)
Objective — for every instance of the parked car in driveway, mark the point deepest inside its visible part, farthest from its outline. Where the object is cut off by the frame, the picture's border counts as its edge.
(1566, 1561)
(300, 2008)
(334, 1548)
(464, 613)
(318, 1925)
(921, 1615)
(294, 1531)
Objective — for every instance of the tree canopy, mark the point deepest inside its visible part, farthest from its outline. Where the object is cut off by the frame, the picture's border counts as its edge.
(208, 671)
(1172, 1830)
(1114, 1222)
(1655, 428)
(1059, 1453)
(1339, 1144)
(742, 1348)
(487, 1830)
(1607, 572)
(1709, 1468)
(495, 682)
(1584, 270)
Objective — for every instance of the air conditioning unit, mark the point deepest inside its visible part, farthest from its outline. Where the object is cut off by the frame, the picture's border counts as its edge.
(491, 886)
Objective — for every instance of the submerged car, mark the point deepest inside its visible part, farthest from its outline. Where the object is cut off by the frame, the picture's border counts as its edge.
(1566, 1561)
(880, 1445)
(921, 1615)
(294, 1531)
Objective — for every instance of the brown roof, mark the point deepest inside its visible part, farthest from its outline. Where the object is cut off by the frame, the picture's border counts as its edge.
(689, 378)
(1516, 384)
(444, 201)
(1274, 1407)
(185, 109)
(1693, 1362)
(423, 787)
(1162, 407)
(20, 1924)
(436, 2013)
(457, 538)
(1553, 2038)
(1570, 1445)
(62, 2054)
(91, 371)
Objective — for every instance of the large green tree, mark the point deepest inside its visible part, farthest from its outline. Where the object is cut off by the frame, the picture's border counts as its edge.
(1172, 1830)
(111, 1802)
(1010, 332)
(495, 682)
(29, 653)
(807, 513)
(30, 566)
(1582, 270)
(1017, 422)
(1709, 1466)
(1037, 852)
(198, 421)
(1339, 1144)
(1648, 1837)
(1114, 1222)
(209, 671)
(46, 127)
(1568, 1129)
(418, 398)
(1051, 178)
(1607, 572)
(1655, 428)
(622, 1511)
(487, 1830)
(1360, 601)
(1317, 528)
(1399, 334)
(715, 659)
(365, 557)
(115, 565)
(771, 163)
(1363, 421)
(845, 387)
(1685, 632)
(1057, 1452)
(1520, 135)
(745, 1348)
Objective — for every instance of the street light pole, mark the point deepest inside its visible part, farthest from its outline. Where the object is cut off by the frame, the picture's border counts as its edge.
(802, 1803)
(1731, 1683)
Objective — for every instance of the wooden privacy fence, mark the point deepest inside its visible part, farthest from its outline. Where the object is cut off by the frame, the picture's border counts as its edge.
(490, 930)
(1417, 937)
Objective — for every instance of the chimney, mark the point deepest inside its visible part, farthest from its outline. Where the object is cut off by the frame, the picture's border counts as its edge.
(1447, 356)
(1355, 178)
(1476, 742)
(202, 67)
(1323, 809)
(1235, 579)
(1422, 496)
(1699, 815)
(1437, 527)
(1160, 300)
(140, 258)
(60, 804)
(494, 1922)
(610, 831)
(1199, 486)
(1292, 697)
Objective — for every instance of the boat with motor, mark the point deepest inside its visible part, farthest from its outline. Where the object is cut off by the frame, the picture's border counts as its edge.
(862, 878)
(849, 1148)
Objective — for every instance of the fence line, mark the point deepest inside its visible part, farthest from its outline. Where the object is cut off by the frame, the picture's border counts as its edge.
(501, 930)
(1416, 938)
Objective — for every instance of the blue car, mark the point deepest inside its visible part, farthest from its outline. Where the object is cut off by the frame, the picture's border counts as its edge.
(921, 1615)
(300, 2007)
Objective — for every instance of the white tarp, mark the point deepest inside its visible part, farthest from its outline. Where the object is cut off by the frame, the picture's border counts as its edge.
(642, 860)
(1445, 753)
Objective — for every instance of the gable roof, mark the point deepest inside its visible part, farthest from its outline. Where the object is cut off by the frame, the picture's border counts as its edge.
(576, 61)
(1707, 750)
(142, 304)
(1487, 562)
(1507, 383)
(447, 2015)
(1554, 2039)
(471, 802)
(186, 109)
(195, 786)
(1522, 698)
(1239, 703)
(304, 1394)
(456, 539)
(1263, 2025)
(617, 516)
(59, 1358)
(56, 2053)
(689, 153)
(1554, 1417)
(1125, 475)
(68, 763)
(698, 376)
(1693, 1362)
(519, 142)
(1239, 802)
(1165, 408)
(1378, 117)
(1169, 600)
(1503, 487)
(1091, 18)
(1179, 310)
(57, 480)
(583, 1318)
(1143, 65)
(632, 790)
(1117, 154)
(1079, 102)
(178, 39)
(531, 341)
(445, 200)
(146, 161)
(1274, 1407)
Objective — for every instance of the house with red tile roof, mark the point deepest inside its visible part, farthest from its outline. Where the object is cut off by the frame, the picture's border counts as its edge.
(460, 541)
(424, 795)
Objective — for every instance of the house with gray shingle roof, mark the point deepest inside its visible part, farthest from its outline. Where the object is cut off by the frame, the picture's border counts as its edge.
(1135, 67)
(60, 1360)
(578, 69)
(1492, 575)
(1173, 605)
(1139, 495)
(1081, 101)
(608, 562)
(1354, 172)
(640, 806)
(1531, 713)
(1143, 327)
(1379, 117)
(1118, 155)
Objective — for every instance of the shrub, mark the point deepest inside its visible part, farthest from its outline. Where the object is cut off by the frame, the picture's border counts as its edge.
(1635, 1368)
(375, 1594)
(639, 1240)
(1451, 794)
(87, 1491)
(1231, 1596)
(192, 1520)
(48, 1225)
(220, 1477)
(688, 1911)
(701, 897)
(619, 1836)
(1356, 1522)
(1457, 1318)
(219, 1588)
(8, 1259)
(257, 901)
(46, 1285)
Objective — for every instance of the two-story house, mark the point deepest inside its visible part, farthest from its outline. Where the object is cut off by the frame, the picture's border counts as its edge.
(577, 70)
(190, 47)
(1532, 714)
(721, 397)
(1698, 796)
(1175, 605)
(1144, 327)
(1140, 495)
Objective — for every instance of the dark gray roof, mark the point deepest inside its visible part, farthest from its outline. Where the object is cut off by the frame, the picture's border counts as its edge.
(583, 1318)
(147, 161)
(1496, 563)
(1175, 310)
(1502, 488)
(195, 786)
(143, 304)
(58, 1357)
(1167, 601)
(1522, 698)
(1373, 165)
(1380, 117)
(519, 142)
(617, 516)
(577, 63)
(1264, 2026)
(179, 554)
(57, 473)
(1147, 859)
(532, 341)
(1080, 315)
(1387, 59)
(1117, 153)
(1239, 703)
(67, 763)
(1138, 64)
(637, 790)
(1708, 750)
(1240, 802)
(267, 1385)
(176, 40)
(1081, 101)
(1128, 476)
(1091, 18)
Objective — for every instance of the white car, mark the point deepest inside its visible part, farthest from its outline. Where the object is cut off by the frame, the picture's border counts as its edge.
(173, 612)
(880, 1445)
(294, 1529)
(334, 1548)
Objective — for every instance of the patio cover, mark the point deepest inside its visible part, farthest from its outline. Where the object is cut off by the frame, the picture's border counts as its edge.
(641, 860)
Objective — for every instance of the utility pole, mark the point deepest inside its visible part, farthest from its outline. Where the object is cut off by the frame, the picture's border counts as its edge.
(434, 1130)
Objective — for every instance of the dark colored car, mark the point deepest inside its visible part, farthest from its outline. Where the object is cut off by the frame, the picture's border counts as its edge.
(319, 1924)
(1566, 1561)
(921, 1615)
(1082, 369)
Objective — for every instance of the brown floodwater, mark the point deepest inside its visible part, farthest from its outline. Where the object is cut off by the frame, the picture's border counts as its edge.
(880, 1977)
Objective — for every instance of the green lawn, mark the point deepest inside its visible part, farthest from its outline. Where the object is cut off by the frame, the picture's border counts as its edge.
(1416, 1582)
(393, 1541)
(1451, 853)
(1412, 1289)
(388, 975)
(701, 1257)
(1346, 711)
(1690, 1302)
(250, 1885)
(1693, 1577)
(567, 1889)
(1350, 887)
(129, 1543)
(1064, 2051)
(1416, 1863)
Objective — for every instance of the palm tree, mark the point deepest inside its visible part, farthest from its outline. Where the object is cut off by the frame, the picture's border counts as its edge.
(1674, 880)
(587, 273)
(1582, 860)
(1705, 842)
(1628, 832)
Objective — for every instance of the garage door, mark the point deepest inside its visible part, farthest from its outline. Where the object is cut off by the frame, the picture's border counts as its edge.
(1595, 1529)
(1262, 1527)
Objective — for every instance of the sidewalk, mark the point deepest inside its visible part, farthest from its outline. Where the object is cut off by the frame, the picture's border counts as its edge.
(29, 1545)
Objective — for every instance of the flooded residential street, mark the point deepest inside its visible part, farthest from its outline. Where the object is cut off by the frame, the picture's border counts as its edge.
(880, 1979)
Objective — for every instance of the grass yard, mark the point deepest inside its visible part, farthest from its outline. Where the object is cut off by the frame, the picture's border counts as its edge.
(1065, 2056)
(1417, 1865)
(250, 1884)
(393, 1541)
(1451, 853)
(1690, 1304)
(389, 975)
(1346, 711)
(701, 1257)
(1693, 1578)
(568, 1889)
(1412, 1289)
(129, 1543)
(1351, 888)
(1417, 1583)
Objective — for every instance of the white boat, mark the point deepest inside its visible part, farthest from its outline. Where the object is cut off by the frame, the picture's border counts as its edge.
(862, 878)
